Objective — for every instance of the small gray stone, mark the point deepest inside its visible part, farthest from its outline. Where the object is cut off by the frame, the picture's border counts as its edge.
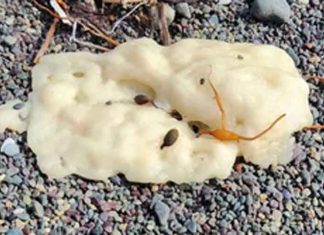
(9, 147)
(23, 216)
(224, 2)
(183, 9)
(38, 208)
(16, 180)
(162, 212)
(293, 55)
(303, 2)
(271, 10)
(14, 231)
(213, 20)
(10, 40)
(18, 106)
(191, 225)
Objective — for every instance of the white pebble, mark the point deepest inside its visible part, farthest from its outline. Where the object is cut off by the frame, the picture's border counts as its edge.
(9, 147)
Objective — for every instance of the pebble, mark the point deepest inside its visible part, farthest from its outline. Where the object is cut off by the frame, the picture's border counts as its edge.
(277, 11)
(10, 40)
(9, 147)
(303, 2)
(38, 208)
(162, 212)
(213, 20)
(293, 55)
(14, 231)
(183, 9)
(224, 2)
(191, 225)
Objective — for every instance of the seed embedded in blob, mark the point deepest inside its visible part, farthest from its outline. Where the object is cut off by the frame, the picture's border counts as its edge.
(141, 99)
(170, 138)
(240, 57)
(202, 81)
(197, 126)
(175, 114)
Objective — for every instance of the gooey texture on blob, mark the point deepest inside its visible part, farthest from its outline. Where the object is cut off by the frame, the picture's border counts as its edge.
(83, 119)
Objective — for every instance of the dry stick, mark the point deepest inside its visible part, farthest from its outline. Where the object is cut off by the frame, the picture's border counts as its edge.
(164, 29)
(117, 23)
(46, 9)
(47, 41)
(314, 127)
(88, 44)
(98, 32)
(95, 30)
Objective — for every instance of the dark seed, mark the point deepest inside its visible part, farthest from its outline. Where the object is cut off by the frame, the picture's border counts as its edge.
(141, 99)
(108, 102)
(175, 114)
(196, 126)
(202, 81)
(240, 57)
(170, 138)
(78, 74)
(18, 106)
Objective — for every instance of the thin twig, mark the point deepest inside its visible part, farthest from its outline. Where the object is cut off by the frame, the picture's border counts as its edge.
(91, 45)
(164, 29)
(88, 44)
(56, 6)
(41, 6)
(117, 23)
(47, 41)
(98, 32)
(314, 127)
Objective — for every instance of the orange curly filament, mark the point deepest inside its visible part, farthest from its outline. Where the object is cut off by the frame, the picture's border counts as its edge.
(226, 135)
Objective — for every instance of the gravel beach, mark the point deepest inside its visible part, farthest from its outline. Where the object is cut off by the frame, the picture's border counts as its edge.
(279, 200)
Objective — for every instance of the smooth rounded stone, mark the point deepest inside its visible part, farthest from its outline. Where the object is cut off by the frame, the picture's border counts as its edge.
(23, 216)
(9, 40)
(224, 2)
(303, 2)
(293, 55)
(162, 212)
(14, 231)
(38, 209)
(183, 9)
(9, 147)
(213, 20)
(18, 106)
(97, 230)
(306, 177)
(16, 180)
(277, 11)
(191, 225)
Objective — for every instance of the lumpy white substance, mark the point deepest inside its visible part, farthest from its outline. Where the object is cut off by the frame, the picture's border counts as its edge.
(71, 129)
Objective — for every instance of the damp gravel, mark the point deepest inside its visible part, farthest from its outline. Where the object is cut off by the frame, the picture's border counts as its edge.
(278, 200)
